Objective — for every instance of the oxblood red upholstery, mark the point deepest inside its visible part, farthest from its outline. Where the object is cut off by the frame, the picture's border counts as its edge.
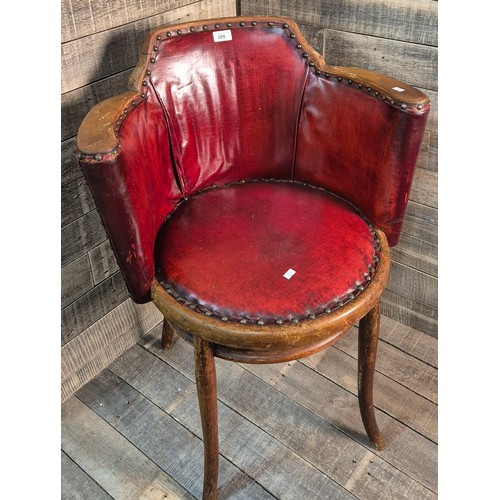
(259, 105)
(225, 252)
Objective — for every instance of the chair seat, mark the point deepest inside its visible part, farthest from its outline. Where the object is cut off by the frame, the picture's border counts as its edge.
(265, 252)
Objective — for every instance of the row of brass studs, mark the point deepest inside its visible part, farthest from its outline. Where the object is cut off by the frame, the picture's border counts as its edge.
(335, 304)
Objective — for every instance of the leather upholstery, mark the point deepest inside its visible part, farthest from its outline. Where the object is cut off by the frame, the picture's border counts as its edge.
(261, 105)
(224, 252)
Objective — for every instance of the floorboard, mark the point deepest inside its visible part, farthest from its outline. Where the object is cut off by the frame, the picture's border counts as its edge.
(287, 431)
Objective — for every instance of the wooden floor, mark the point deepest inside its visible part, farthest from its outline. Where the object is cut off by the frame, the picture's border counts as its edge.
(287, 431)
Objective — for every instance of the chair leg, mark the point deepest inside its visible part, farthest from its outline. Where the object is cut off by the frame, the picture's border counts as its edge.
(367, 353)
(168, 336)
(206, 384)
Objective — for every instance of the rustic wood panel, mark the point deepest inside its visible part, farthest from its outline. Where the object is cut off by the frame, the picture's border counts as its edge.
(77, 485)
(99, 55)
(84, 18)
(406, 20)
(267, 463)
(424, 189)
(92, 350)
(282, 426)
(412, 283)
(95, 447)
(410, 312)
(80, 236)
(421, 221)
(412, 63)
(417, 253)
(92, 306)
(70, 170)
(413, 342)
(102, 261)
(76, 200)
(161, 438)
(76, 279)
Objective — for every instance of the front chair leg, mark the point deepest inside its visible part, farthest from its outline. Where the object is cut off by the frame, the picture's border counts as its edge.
(206, 384)
(367, 353)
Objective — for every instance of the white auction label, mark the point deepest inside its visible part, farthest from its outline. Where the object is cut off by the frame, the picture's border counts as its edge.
(289, 274)
(222, 36)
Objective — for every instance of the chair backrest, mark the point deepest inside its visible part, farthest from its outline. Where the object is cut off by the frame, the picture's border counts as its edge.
(231, 99)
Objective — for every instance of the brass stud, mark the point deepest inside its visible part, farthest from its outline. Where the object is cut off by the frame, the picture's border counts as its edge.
(404, 105)
(311, 63)
(179, 32)
(254, 23)
(305, 55)
(155, 48)
(294, 320)
(192, 29)
(349, 82)
(224, 318)
(243, 321)
(242, 23)
(339, 78)
(169, 34)
(148, 72)
(260, 322)
(299, 46)
(98, 157)
(270, 23)
(143, 95)
(292, 35)
(360, 85)
(368, 89)
(125, 110)
(328, 310)
(208, 313)
(229, 25)
(285, 26)
(217, 26)
(191, 306)
(419, 107)
(134, 103)
(279, 321)
(205, 27)
(311, 316)
(144, 83)
(153, 60)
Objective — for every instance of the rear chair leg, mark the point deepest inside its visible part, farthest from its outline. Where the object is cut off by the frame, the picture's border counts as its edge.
(367, 353)
(206, 383)
(168, 336)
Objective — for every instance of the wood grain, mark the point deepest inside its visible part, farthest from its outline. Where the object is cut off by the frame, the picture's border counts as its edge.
(407, 20)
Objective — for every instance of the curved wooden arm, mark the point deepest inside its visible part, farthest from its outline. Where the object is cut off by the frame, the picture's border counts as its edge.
(391, 90)
(97, 133)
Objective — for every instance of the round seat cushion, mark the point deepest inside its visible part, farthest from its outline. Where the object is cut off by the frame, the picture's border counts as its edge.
(265, 252)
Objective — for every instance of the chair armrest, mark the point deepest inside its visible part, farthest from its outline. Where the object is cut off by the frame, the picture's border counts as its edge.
(359, 136)
(97, 133)
(128, 169)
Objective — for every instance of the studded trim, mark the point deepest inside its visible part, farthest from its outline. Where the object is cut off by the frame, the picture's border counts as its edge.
(303, 52)
(335, 303)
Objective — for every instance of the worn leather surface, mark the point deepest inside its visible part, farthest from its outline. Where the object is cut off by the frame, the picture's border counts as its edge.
(134, 193)
(249, 108)
(359, 147)
(227, 249)
(232, 106)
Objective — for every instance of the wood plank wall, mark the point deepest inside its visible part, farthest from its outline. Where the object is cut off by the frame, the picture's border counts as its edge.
(398, 38)
(100, 42)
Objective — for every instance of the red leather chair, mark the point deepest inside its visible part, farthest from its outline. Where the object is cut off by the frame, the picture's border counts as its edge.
(252, 193)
